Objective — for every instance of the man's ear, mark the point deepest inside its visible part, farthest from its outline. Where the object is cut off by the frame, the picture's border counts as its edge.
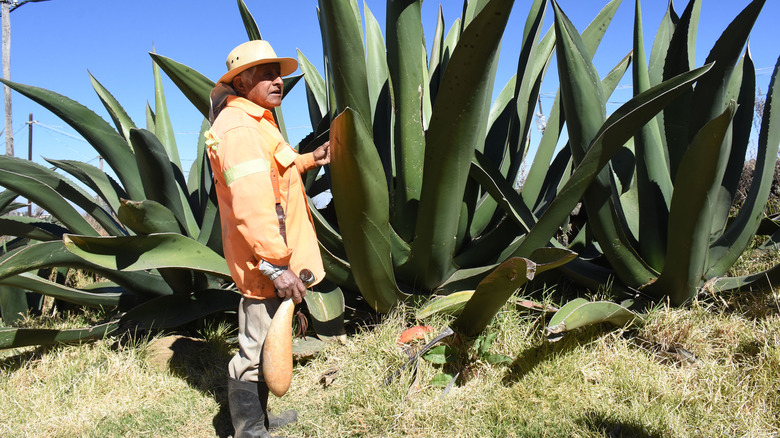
(238, 84)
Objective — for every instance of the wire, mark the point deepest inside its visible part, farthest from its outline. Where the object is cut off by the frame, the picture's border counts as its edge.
(66, 134)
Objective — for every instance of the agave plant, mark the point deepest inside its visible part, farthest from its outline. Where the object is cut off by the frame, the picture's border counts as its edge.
(660, 219)
(423, 203)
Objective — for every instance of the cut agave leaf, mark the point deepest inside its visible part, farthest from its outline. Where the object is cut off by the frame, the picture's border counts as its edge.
(451, 304)
(581, 312)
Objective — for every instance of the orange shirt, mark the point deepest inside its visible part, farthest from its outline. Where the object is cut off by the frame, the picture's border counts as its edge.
(248, 143)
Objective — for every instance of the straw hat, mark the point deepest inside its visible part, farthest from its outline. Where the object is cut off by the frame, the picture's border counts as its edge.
(254, 53)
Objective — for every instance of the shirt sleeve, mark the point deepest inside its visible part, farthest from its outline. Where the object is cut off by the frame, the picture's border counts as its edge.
(305, 162)
(246, 169)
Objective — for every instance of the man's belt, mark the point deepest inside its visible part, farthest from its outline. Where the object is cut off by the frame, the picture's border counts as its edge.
(278, 198)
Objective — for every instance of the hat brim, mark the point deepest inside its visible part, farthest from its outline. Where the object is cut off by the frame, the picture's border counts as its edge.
(287, 67)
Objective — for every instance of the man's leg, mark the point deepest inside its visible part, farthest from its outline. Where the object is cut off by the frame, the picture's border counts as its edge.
(244, 371)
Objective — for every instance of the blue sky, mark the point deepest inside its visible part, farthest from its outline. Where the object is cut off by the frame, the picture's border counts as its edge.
(55, 43)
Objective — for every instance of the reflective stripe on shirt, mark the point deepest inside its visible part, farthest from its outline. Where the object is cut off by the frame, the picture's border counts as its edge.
(246, 168)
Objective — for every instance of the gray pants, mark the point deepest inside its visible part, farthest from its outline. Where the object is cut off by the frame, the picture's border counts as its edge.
(254, 318)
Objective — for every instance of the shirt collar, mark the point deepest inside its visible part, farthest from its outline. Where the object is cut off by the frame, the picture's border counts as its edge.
(251, 108)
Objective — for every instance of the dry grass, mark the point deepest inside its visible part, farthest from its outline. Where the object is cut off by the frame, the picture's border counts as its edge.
(711, 369)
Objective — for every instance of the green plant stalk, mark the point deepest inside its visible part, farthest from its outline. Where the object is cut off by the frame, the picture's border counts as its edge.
(652, 172)
(405, 52)
(690, 213)
(361, 202)
(451, 142)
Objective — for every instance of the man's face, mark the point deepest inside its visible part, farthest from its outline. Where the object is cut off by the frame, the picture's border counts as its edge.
(265, 86)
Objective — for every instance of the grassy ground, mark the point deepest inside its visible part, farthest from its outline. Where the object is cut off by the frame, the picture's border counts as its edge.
(711, 369)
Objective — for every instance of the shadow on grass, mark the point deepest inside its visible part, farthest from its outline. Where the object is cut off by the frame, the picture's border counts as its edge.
(203, 365)
(609, 427)
(532, 357)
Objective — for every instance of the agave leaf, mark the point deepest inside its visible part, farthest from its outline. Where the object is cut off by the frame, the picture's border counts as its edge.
(680, 58)
(338, 270)
(23, 337)
(709, 97)
(538, 172)
(590, 275)
(326, 234)
(660, 47)
(153, 251)
(742, 89)
(653, 180)
(48, 198)
(450, 143)
(42, 286)
(618, 128)
(436, 56)
(148, 217)
(377, 74)
(690, 214)
(195, 86)
(162, 127)
(594, 32)
(531, 67)
(362, 210)
(451, 304)
(105, 186)
(174, 310)
(581, 90)
(453, 35)
(738, 236)
(496, 288)
(199, 180)
(326, 307)
(465, 279)
(211, 227)
(42, 181)
(159, 176)
(54, 254)
(7, 201)
(492, 293)
(763, 280)
(316, 92)
(502, 191)
(584, 104)
(31, 228)
(346, 58)
(495, 147)
(122, 121)
(106, 141)
(13, 304)
(406, 65)
(580, 312)
(149, 118)
(250, 24)
(551, 258)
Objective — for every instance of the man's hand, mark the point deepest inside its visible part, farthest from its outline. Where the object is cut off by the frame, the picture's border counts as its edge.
(322, 154)
(288, 285)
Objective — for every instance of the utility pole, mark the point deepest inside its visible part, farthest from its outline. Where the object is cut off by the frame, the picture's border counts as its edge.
(9, 6)
(9, 130)
(29, 158)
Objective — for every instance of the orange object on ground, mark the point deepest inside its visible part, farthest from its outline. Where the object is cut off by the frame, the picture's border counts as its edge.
(414, 333)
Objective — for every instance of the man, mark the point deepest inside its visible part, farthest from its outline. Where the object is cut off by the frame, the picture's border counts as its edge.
(267, 231)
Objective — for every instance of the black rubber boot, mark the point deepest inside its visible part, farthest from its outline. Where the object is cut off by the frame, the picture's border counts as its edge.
(246, 412)
(274, 421)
